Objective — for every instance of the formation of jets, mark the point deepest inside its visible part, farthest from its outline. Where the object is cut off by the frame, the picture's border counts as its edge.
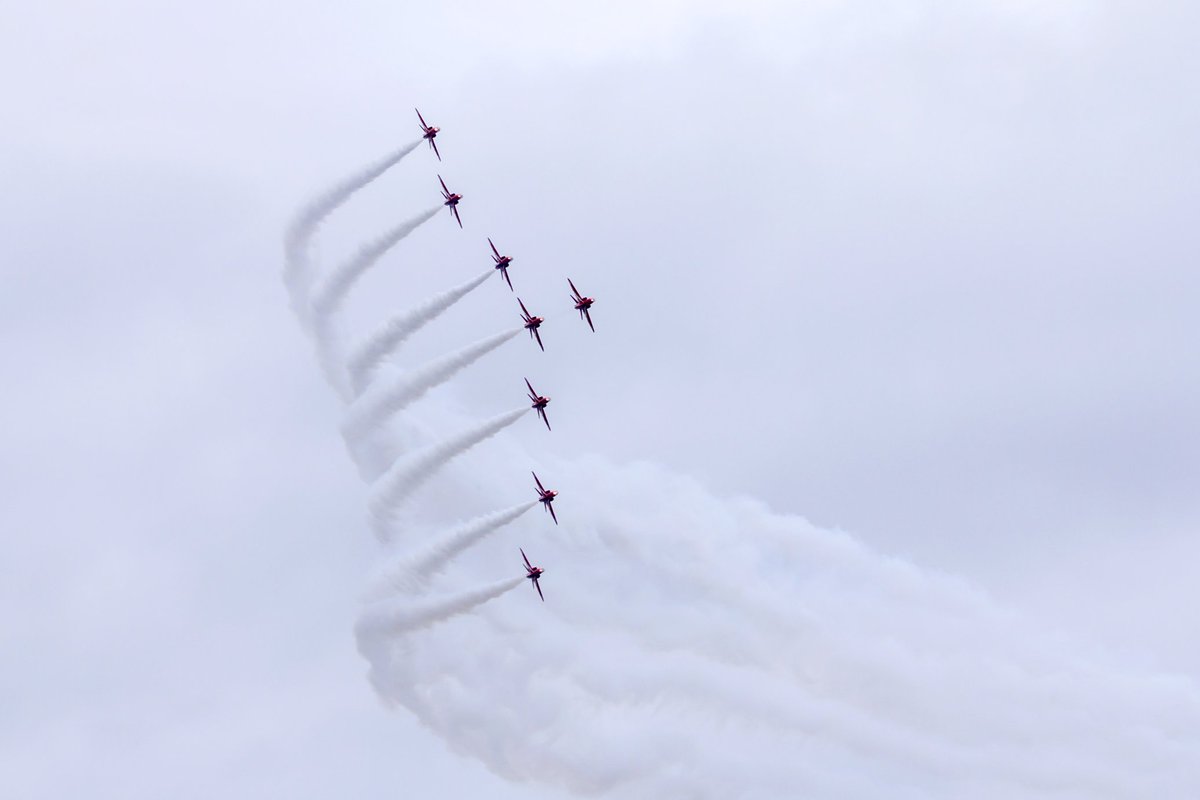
(582, 304)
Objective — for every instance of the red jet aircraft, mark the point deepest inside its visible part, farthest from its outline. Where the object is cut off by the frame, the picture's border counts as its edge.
(539, 403)
(534, 574)
(451, 200)
(532, 324)
(502, 262)
(428, 132)
(582, 304)
(546, 496)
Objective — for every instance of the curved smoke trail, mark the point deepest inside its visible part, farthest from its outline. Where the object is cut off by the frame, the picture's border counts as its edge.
(390, 618)
(296, 240)
(411, 573)
(407, 475)
(335, 288)
(715, 649)
(733, 652)
(374, 407)
(383, 342)
(333, 292)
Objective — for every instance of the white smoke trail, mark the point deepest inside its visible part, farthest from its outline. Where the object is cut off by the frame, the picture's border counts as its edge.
(328, 343)
(716, 649)
(331, 294)
(296, 270)
(732, 652)
(393, 617)
(411, 573)
(408, 474)
(373, 408)
(335, 288)
(383, 342)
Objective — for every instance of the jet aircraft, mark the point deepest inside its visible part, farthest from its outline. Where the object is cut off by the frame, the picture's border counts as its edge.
(533, 574)
(428, 133)
(582, 304)
(546, 496)
(539, 403)
(451, 200)
(532, 324)
(502, 262)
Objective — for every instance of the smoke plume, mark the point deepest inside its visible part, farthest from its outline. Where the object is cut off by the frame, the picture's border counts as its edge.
(408, 474)
(374, 407)
(297, 267)
(384, 341)
(411, 572)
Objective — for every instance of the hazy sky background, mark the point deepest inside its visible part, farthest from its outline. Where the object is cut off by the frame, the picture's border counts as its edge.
(924, 272)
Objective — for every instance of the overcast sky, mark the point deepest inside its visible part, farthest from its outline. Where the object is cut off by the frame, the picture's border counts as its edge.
(924, 273)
